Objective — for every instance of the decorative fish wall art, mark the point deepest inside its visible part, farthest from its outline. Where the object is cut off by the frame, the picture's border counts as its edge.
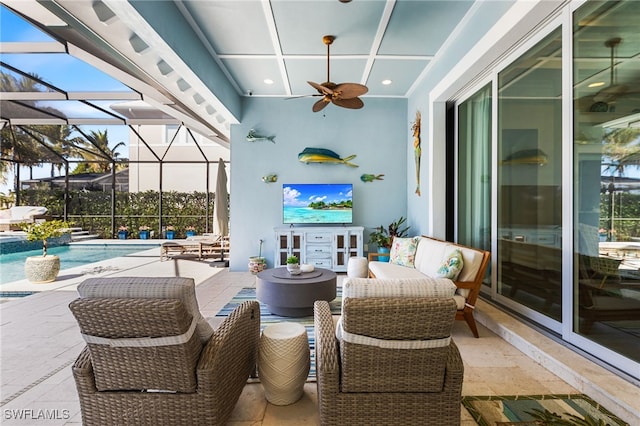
(370, 178)
(527, 156)
(270, 178)
(252, 136)
(321, 155)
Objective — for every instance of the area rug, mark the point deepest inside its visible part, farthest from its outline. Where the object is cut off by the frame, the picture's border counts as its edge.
(530, 410)
(266, 318)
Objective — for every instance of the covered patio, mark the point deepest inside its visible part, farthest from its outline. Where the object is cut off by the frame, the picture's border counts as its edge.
(41, 339)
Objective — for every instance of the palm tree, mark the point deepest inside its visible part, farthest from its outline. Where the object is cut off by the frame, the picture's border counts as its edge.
(15, 144)
(622, 146)
(98, 151)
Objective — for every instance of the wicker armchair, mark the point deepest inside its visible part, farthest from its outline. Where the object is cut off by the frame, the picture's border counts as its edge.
(393, 362)
(151, 359)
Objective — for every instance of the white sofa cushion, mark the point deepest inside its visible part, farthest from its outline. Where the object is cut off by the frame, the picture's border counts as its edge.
(394, 287)
(391, 270)
(429, 256)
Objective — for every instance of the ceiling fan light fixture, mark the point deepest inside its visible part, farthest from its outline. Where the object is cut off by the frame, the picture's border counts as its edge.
(342, 94)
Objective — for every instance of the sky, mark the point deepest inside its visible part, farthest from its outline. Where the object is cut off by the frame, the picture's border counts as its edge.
(303, 194)
(62, 71)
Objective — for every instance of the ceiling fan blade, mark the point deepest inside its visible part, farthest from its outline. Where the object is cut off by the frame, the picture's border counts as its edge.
(353, 103)
(303, 96)
(318, 106)
(320, 88)
(350, 90)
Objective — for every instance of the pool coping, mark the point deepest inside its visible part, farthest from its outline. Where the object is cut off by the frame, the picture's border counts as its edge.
(69, 278)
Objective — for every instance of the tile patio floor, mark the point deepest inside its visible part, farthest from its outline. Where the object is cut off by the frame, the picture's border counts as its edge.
(40, 340)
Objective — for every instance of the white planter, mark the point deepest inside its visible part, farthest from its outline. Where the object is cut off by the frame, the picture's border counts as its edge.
(294, 268)
(42, 269)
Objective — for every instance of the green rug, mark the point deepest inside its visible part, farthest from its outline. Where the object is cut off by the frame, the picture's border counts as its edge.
(530, 410)
(266, 318)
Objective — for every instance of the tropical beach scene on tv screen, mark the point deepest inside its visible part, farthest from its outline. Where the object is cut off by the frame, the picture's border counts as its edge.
(317, 203)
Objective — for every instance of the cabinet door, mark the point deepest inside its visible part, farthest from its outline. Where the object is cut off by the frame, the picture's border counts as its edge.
(340, 250)
(288, 244)
(355, 244)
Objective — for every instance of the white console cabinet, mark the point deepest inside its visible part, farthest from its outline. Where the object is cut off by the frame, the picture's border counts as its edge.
(324, 247)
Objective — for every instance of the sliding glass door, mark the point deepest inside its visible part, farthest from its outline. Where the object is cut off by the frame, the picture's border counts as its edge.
(529, 204)
(606, 159)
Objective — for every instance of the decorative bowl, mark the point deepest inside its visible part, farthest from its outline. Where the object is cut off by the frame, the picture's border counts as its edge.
(305, 267)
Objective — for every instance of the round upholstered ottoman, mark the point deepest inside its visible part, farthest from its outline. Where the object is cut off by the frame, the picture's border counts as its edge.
(283, 362)
(358, 267)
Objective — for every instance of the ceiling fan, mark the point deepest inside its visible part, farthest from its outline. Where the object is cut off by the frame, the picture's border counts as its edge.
(613, 91)
(343, 95)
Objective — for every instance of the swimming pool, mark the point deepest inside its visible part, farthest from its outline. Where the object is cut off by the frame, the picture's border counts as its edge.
(12, 264)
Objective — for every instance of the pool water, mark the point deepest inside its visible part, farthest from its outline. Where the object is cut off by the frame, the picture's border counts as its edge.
(12, 264)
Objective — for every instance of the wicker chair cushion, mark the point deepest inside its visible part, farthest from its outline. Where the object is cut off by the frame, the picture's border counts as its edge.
(167, 367)
(150, 287)
(367, 368)
(398, 287)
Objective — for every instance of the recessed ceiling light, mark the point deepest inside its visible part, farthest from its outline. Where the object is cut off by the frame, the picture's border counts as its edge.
(268, 81)
(386, 82)
(597, 84)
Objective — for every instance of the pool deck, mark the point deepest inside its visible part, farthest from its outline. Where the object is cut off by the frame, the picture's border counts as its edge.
(40, 340)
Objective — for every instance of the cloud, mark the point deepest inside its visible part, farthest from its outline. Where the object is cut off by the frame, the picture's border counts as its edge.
(290, 197)
(315, 198)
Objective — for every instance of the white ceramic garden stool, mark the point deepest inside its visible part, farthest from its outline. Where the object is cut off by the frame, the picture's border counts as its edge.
(358, 267)
(283, 362)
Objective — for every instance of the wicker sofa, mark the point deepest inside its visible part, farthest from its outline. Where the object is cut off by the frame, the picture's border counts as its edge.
(391, 359)
(152, 359)
(429, 255)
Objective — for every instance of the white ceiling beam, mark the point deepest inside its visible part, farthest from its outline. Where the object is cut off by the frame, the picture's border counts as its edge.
(377, 40)
(275, 41)
(207, 44)
(32, 47)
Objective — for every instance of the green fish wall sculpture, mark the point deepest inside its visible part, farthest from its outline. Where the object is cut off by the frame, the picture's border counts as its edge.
(321, 155)
(252, 136)
(370, 178)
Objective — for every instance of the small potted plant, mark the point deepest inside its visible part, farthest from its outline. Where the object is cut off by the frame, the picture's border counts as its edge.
(144, 232)
(191, 231)
(293, 265)
(123, 232)
(383, 237)
(170, 232)
(45, 268)
(257, 263)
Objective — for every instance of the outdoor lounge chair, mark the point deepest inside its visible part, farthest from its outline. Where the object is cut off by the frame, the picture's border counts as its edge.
(201, 246)
(151, 358)
(10, 219)
(391, 361)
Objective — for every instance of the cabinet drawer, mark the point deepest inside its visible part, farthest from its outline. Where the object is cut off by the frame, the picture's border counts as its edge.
(318, 237)
(320, 263)
(318, 251)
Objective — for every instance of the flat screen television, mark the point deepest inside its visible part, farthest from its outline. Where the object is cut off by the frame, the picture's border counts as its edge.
(317, 203)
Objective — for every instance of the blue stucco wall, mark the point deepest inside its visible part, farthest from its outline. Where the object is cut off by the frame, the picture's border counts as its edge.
(377, 134)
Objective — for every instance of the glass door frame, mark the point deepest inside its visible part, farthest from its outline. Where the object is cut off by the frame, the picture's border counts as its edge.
(562, 19)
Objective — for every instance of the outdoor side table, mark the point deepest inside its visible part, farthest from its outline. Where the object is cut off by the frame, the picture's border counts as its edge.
(283, 362)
